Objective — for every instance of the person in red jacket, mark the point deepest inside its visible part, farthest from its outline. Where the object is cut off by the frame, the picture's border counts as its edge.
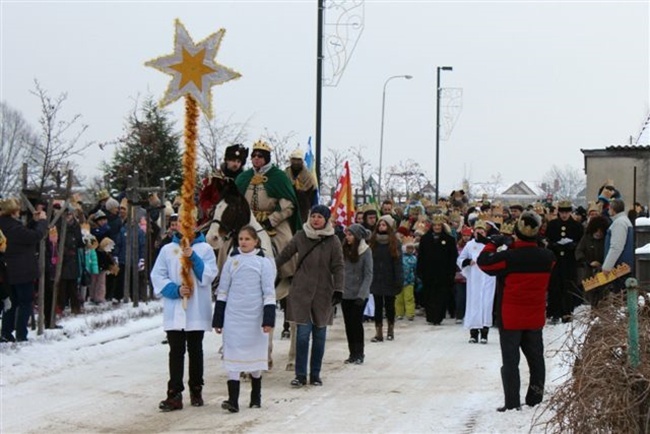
(526, 269)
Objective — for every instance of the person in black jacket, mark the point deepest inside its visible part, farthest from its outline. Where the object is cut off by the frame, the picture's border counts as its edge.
(22, 266)
(436, 268)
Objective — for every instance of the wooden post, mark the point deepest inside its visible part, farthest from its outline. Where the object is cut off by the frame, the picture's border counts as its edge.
(631, 286)
(61, 245)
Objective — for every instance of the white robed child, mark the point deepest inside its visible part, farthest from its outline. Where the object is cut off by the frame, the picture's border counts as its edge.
(245, 313)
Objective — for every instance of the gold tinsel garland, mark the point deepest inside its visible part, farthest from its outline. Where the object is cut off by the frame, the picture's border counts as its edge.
(186, 218)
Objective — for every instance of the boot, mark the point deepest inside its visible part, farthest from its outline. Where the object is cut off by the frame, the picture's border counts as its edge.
(232, 403)
(484, 335)
(256, 393)
(379, 334)
(174, 401)
(390, 334)
(195, 396)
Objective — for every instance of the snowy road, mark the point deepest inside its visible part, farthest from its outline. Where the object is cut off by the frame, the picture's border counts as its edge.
(428, 380)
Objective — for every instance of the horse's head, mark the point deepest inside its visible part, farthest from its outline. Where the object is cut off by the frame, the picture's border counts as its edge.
(230, 215)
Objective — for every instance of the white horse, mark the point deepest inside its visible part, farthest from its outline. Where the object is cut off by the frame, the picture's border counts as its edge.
(232, 213)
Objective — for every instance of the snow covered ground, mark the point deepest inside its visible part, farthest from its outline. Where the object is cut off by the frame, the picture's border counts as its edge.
(110, 380)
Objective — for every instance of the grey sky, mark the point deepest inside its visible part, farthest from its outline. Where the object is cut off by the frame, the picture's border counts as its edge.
(540, 80)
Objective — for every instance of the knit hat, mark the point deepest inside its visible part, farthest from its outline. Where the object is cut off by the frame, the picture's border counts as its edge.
(322, 210)
(359, 232)
(390, 221)
(528, 226)
(112, 204)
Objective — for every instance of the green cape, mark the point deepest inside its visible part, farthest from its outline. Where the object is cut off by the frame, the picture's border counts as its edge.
(278, 186)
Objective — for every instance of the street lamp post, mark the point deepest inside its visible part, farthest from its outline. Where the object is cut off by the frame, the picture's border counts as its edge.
(443, 68)
(381, 137)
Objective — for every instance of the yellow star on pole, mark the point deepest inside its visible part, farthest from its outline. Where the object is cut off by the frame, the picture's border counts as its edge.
(193, 68)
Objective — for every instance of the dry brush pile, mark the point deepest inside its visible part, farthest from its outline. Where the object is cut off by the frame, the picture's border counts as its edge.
(603, 392)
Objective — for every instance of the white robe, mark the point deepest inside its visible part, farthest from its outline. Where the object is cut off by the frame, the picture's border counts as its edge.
(167, 269)
(246, 285)
(480, 289)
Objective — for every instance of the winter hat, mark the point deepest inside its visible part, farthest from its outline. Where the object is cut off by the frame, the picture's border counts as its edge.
(322, 210)
(388, 219)
(236, 152)
(99, 215)
(111, 204)
(297, 154)
(359, 232)
(528, 226)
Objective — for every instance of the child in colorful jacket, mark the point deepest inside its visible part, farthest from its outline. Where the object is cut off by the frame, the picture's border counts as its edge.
(405, 300)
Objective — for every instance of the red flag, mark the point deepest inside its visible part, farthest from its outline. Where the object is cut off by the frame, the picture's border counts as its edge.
(343, 207)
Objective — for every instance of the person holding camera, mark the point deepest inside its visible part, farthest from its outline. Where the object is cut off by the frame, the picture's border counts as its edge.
(22, 266)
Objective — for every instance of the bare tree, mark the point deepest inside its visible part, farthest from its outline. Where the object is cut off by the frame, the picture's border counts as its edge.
(216, 136)
(331, 170)
(281, 145)
(361, 167)
(563, 183)
(58, 140)
(16, 141)
(493, 187)
(405, 179)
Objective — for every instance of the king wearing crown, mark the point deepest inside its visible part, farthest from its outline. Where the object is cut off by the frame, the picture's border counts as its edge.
(272, 199)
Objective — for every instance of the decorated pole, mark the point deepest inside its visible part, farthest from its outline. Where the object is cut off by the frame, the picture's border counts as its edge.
(194, 71)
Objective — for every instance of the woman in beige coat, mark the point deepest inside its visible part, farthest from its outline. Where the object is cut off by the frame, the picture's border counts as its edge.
(317, 286)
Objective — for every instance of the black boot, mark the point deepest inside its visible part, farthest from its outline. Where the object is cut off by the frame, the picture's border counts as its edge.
(484, 335)
(232, 403)
(473, 336)
(174, 401)
(195, 396)
(390, 334)
(256, 393)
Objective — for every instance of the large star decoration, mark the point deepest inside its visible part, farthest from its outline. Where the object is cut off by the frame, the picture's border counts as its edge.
(193, 68)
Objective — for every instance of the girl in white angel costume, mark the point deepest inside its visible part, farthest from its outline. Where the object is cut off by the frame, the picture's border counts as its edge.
(245, 313)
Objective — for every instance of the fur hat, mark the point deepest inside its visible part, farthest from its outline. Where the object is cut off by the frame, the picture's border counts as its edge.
(528, 226)
(9, 206)
(111, 204)
(359, 232)
(236, 152)
(322, 210)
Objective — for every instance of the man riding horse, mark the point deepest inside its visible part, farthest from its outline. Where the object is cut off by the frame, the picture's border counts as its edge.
(272, 199)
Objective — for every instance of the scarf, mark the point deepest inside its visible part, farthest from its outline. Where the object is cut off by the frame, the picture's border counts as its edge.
(315, 234)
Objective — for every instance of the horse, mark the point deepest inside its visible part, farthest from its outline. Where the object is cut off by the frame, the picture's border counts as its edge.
(231, 213)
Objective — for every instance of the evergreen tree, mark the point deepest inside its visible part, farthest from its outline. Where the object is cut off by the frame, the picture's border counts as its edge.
(151, 147)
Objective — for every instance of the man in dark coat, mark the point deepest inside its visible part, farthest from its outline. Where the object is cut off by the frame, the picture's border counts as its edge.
(22, 266)
(436, 268)
(525, 270)
(563, 235)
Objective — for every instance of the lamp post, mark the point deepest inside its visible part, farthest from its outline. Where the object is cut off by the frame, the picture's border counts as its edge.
(381, 137)
(443, 68)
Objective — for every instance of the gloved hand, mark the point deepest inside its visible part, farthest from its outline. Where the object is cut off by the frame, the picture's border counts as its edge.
(6, 304)
(360, 301)
(266, 224)
(141, 265)
(500, 240)
(337, 297)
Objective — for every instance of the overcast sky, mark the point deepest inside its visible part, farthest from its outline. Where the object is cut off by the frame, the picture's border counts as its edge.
(540, 80)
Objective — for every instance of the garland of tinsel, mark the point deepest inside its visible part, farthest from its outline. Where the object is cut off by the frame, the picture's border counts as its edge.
(186, 218)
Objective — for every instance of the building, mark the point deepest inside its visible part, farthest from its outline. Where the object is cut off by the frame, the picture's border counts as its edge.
(618, 163)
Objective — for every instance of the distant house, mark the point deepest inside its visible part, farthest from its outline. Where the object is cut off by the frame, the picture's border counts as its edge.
(523, 192)
(618, 163)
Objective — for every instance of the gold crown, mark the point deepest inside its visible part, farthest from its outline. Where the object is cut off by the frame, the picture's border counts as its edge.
(601, 279)
(455, 216)
(507, 228)
(484, 216)
(261, 145)
(439, 219)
